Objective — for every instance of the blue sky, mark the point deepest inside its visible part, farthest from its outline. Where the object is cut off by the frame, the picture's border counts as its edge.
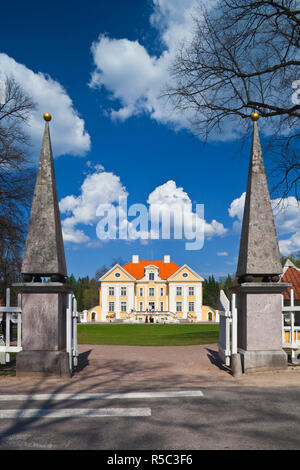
(99, 68)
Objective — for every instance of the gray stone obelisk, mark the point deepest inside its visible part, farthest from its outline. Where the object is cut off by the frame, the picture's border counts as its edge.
(44, 250)
(259, 302)
(44, 303)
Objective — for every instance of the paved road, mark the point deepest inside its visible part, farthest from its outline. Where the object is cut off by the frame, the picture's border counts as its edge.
(218, 418)
(259, 411)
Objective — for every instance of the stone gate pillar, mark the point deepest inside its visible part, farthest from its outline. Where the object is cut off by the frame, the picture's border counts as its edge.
(44, 303)
(259, 303)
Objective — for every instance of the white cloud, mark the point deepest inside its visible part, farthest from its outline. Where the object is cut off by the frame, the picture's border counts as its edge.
(290, 246)
(98, 188)
(168, 198)
(222, 253)
(136, 79)
(68, 134)
(102, 191)
(286, 216)
(236, 209)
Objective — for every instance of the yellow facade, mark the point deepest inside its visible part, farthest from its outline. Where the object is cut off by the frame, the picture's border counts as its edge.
(158, 290)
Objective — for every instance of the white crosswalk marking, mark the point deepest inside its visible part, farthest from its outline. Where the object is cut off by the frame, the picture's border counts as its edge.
(75, 413)
(36, 413)
(101, 396)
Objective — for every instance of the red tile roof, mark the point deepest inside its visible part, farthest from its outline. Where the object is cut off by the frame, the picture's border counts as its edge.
(137, 269)
(292, 276)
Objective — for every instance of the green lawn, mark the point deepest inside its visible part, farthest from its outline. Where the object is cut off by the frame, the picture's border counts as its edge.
(148, 335)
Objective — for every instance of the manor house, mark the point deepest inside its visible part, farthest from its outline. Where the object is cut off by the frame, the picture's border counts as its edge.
(151, 291)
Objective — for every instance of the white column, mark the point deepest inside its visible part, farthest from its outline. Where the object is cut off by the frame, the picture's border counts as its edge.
(172, 299)
(167, 296)
(198, 302)
(104, 309)
(185, 309)
(131, 298)
(117, 306)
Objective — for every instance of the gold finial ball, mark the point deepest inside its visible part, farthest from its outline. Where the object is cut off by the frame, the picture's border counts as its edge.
(255, 116)
(47, 117)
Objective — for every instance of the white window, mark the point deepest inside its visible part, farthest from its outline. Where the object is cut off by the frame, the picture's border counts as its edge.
(191, 291)
(161, 291)
(151, 276)
(178, 306)
(191, 307)
(161, 306)
(123, 306)
(141, 292)
(151, 291)
(178, 291)
(111, 291)
(111, 306)
(123, 291)
(141, 306)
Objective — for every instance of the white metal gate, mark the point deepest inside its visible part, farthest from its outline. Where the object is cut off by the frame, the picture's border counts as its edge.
(71, 330)
(12, 316)
(228, 328)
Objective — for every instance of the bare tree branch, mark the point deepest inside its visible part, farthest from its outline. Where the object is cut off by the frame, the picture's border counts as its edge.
(16, 180)
(244, 57)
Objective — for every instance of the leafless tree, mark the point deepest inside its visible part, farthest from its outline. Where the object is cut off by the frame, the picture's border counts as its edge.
(16, 179)
(244, 57)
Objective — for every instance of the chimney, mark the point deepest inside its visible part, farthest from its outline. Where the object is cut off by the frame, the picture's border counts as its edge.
(135, 259)
(167, 259)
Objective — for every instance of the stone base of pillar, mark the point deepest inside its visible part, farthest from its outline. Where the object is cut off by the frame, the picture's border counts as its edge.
(259, 361)
(42, 364)
(43, 330)
(259, 341)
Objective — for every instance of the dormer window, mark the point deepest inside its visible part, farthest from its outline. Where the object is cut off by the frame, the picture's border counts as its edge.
(151, 276)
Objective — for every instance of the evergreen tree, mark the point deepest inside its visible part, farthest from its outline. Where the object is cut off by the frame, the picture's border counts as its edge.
(211, 290)
(86, 290)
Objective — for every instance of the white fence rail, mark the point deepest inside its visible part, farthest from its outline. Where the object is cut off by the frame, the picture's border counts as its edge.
(290, 331)
(13, 315)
